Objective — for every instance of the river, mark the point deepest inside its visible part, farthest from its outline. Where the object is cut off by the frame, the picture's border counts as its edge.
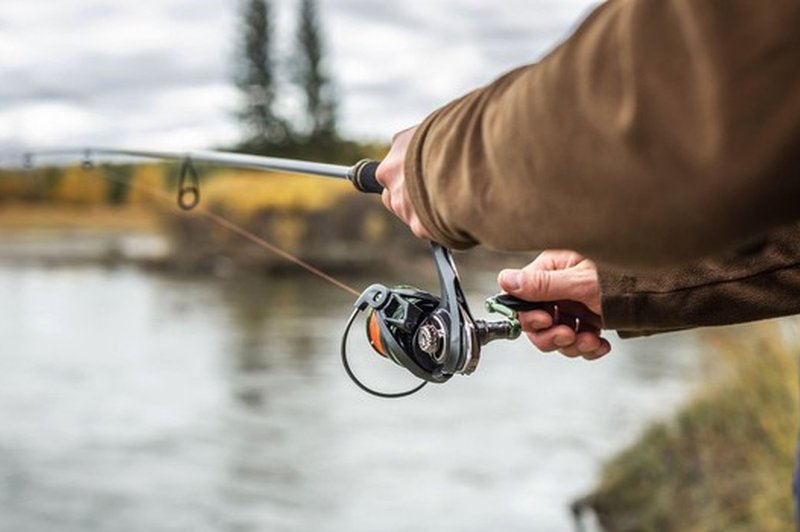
(132, 400)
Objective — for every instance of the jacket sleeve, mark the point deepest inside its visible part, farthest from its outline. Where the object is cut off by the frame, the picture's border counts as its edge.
(758, 282)
(661, 131)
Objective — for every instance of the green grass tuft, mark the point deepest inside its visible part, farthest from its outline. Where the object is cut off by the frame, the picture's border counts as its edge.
(725, 461)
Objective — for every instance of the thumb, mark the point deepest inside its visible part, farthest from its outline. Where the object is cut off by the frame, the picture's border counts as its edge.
(510, 280)
(539, 285)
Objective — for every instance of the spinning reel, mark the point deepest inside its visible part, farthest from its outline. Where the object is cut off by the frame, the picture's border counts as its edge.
(433, 337)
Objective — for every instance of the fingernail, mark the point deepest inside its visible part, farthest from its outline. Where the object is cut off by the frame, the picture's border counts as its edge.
(511, 279)
(562, 341)
(584, 348)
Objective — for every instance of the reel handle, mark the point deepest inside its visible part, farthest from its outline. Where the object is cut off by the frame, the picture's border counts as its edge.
(572, 314)
(362, 175)
(520, 305)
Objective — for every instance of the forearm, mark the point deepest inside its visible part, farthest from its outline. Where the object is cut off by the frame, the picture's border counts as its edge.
(663, 130)
(759, 283)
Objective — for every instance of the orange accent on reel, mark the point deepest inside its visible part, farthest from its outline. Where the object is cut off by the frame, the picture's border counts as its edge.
(374, 334)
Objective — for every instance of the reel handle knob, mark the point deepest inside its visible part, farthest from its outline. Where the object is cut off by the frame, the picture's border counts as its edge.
(519, 305)
(362, 175)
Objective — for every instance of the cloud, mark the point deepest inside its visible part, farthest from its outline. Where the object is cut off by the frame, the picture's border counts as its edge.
(407, 58)
(159, 71)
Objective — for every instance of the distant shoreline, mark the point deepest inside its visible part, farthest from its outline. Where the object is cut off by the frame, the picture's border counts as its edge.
(145, 236)
(26, 217)
(71, 245)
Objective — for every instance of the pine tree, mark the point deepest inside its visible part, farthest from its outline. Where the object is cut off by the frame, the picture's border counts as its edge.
(256, 80)
(316, 86)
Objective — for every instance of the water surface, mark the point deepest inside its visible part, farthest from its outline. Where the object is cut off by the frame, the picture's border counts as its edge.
(137, 401)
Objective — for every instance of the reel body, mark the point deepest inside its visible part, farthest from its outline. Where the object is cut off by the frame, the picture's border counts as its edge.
(433, 337)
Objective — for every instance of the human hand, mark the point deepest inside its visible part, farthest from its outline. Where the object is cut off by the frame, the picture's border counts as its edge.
(391, 174)
(570, 280)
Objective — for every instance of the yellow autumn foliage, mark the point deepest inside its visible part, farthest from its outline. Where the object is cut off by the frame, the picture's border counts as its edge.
(81, 186)
(243, 194)
(147, 185)
(13, 186)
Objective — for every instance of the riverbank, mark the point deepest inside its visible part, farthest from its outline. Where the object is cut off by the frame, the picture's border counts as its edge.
(725, 461)
(351, 236)
(25, 217)
(69, 235)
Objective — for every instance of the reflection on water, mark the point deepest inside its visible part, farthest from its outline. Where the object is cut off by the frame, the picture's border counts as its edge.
(132, 401)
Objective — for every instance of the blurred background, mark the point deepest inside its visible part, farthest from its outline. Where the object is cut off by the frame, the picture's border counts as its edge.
(160, 373)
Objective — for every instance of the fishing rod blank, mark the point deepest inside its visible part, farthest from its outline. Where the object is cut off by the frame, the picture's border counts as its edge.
(361, 174)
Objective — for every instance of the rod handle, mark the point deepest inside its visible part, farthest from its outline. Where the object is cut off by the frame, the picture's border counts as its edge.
(362, 175)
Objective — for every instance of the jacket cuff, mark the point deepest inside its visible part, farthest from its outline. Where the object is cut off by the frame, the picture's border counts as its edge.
(622, 307)
(617, 300)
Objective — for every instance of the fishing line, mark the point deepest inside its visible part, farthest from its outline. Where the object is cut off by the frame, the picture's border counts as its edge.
(257, 240)
(241, 231)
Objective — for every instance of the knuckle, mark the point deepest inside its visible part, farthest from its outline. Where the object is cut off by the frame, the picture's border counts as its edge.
(380, 174)
(538, 320)
(540, 343)
(544, 342)
(417, 229)
(397, 204)
(387, 171)
(536, 283)
(594, 355)
(531, 323)
(527, 324)
(588, 342)
(569, 352)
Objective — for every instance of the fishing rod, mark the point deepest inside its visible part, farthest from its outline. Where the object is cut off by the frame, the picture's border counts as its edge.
(361, 174)
(432, 336)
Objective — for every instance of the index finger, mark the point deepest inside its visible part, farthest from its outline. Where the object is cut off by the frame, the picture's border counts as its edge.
(535, 320)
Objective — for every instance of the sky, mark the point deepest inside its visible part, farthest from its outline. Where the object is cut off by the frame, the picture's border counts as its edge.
(158, 73)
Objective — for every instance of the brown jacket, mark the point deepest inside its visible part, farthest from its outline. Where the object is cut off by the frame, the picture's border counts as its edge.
(759, 281)
(661, 132)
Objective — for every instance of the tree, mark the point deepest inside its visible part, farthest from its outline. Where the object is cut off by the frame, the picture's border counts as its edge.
(119, 183)
(256, 80)
(316, 86)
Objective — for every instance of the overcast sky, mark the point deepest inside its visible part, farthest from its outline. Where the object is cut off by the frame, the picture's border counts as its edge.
(157, 73)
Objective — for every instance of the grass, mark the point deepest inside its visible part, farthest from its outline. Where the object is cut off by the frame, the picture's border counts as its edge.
(725, 461)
